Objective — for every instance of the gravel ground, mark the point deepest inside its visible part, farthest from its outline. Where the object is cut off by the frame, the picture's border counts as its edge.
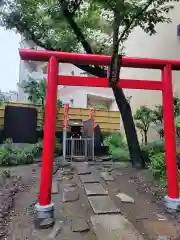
(13, 189)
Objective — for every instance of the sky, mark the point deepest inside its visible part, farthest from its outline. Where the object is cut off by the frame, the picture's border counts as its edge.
(9, 60)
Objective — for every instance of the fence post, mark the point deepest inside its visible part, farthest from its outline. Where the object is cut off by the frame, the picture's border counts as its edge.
(72, 148)
(65, 126)
(86, 149)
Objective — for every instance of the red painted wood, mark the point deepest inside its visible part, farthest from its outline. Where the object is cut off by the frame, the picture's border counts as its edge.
(104, 60)
(103, 82)
(49, 134)
(169, 134)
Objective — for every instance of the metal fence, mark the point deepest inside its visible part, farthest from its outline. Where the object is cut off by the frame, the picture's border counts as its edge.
(79, 148)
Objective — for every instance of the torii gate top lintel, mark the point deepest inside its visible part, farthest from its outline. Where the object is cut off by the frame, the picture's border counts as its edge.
(92, 59)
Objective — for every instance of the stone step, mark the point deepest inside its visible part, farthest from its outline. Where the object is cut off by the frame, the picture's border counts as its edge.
(114, 227)
(89, 178)
(81, 170)
(94, 189)
(107, 176)
(125, 198)
(79, 225)
(69, 193)
(102, 205)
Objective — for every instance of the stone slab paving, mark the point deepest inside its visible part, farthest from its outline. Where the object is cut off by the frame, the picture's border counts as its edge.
(79, 225)
(103, 204)
(61, 178)
(94, 189)
(69, 193)
(114, 227)
(89, 178)
(81, 170)
(125, 198)
(107, 176)
(66, 172)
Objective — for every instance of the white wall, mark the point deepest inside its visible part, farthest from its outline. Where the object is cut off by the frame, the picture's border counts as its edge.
(165, 45)
(67, 68)
(79, 98)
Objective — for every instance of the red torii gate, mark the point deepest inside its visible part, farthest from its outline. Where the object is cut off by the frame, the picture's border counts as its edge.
(44, 208)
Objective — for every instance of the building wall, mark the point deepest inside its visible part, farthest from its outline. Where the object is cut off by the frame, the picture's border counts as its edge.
(75, 99)
(165, 45)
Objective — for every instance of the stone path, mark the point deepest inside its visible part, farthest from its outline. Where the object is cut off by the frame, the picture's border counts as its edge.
(103, 204)
(106, 226)
(96, 202)
(115, 227)
(94, 189)
(89, 178)
(102, 214)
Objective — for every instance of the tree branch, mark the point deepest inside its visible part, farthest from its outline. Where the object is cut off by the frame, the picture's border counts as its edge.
(110, 5)
(96, 70)
(76, 7)
(80, 36)
(23, 26)
(133, 19)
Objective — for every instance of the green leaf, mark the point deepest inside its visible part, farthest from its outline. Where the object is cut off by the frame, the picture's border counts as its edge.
(45, 24)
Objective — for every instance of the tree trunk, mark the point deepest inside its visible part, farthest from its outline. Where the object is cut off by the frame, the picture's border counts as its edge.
(127, 118)
(145, 138)
(124, 107)
(142, 137)
(129, 127)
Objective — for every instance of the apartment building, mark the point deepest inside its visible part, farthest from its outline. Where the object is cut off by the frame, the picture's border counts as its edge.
(75, 96)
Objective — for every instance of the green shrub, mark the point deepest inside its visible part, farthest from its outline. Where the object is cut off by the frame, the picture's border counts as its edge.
(36, 149)
(4, 154)
(157, 146)
(8, 144)
(158, 168)
(117, 147)
(26, 157)
(119, 154)
(105, 135)
(10, 156)
(114, 140)
(152, 148)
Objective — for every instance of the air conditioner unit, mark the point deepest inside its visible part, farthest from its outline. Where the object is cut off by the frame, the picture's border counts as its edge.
(178, 30)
